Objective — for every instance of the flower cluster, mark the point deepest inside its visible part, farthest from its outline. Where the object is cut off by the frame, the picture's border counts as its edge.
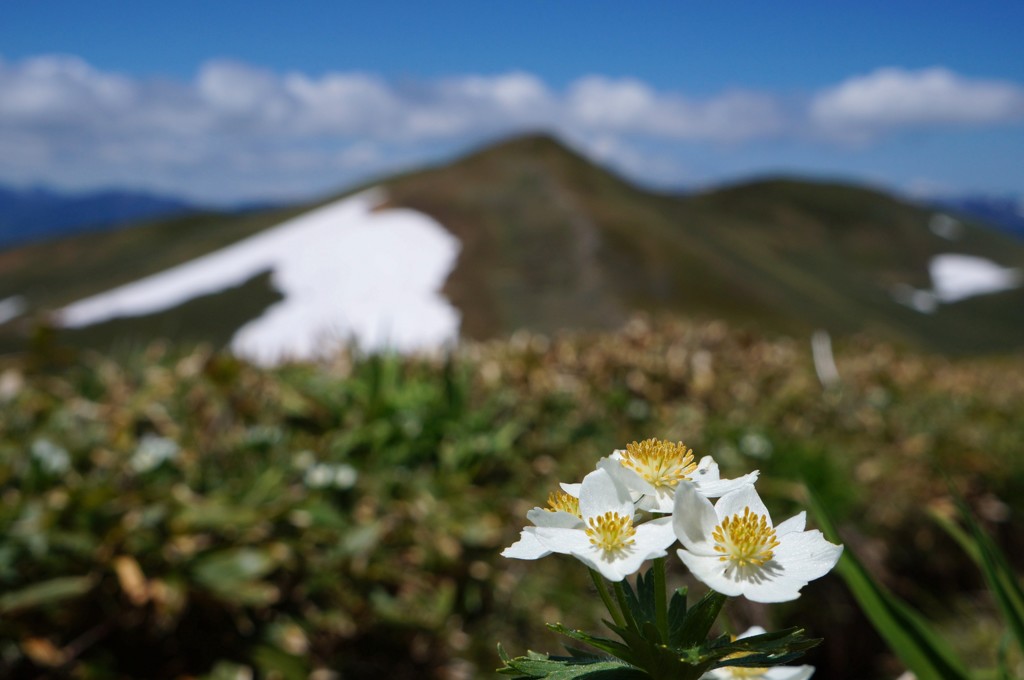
(632, 508)
(641, 500)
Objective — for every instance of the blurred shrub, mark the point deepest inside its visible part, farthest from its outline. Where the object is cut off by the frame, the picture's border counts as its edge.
(175, 513)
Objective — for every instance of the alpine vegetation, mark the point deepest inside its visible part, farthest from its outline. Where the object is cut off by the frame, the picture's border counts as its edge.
(633, 508)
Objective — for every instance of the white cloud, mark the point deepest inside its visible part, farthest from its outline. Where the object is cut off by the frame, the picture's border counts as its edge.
(864, 106)
(237, 131)
(49, 88)
(629, 105)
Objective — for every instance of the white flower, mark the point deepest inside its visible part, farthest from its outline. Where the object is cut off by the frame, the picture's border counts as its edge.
(733, 548)
(563, 511)
(773, 673)
(652, 469)
(604, 538)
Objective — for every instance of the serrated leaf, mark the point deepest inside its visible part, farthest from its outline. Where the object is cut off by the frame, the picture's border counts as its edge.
(567, 668)
(766, 649)
(657, 659)
(616, 649)
(676, 614)
(698, 620)
(641, 601)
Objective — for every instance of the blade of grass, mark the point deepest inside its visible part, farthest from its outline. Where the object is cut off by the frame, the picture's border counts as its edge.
(906, 632)
(1002, 581)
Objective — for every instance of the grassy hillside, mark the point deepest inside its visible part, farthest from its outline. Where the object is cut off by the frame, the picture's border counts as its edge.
(838, 250)
(173, 513)
(551, 241)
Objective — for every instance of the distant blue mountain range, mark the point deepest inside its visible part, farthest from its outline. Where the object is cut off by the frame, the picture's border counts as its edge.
(1005, 214)
(41, 213)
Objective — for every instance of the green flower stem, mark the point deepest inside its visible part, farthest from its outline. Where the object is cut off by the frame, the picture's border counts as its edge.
(620, 596)
(602, 590)
(660, 598)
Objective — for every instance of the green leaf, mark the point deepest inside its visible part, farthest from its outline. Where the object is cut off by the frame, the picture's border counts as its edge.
(906, 632)
(641, 602)
(46, 593)
(676, 615)
(566, 668)
(697, 621)
(614, 648)
(767, 649)
(660, 660)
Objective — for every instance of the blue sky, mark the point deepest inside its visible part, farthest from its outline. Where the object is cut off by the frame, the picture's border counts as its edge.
(234, 101)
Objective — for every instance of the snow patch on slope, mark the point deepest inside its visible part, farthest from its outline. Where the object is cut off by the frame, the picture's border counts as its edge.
(956, 277)
(347, 272)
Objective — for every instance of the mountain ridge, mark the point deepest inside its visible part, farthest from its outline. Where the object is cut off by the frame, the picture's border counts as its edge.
(551, 241)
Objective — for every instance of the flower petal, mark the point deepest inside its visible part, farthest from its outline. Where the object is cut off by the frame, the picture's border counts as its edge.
(620, 564)
(559, 518)
(528, 547)
(639, 487)
(795, 523)
(571, 489)
(720, 487)
(654, 536)
(789, 673)
(662, 500)
(707, 471)
(774, 673)
(806, 555)
(601, 493)
(751, 632)
(561, 540)
(735, 502)
(693, 519)
(710, 571)
(766, 583)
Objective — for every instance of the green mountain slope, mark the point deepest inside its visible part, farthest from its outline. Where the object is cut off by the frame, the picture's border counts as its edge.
(552, 241)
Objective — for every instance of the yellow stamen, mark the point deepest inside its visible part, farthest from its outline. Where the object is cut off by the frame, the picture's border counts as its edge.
(611, 531)
(560, 500)
(745, 539)
(660, 462)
